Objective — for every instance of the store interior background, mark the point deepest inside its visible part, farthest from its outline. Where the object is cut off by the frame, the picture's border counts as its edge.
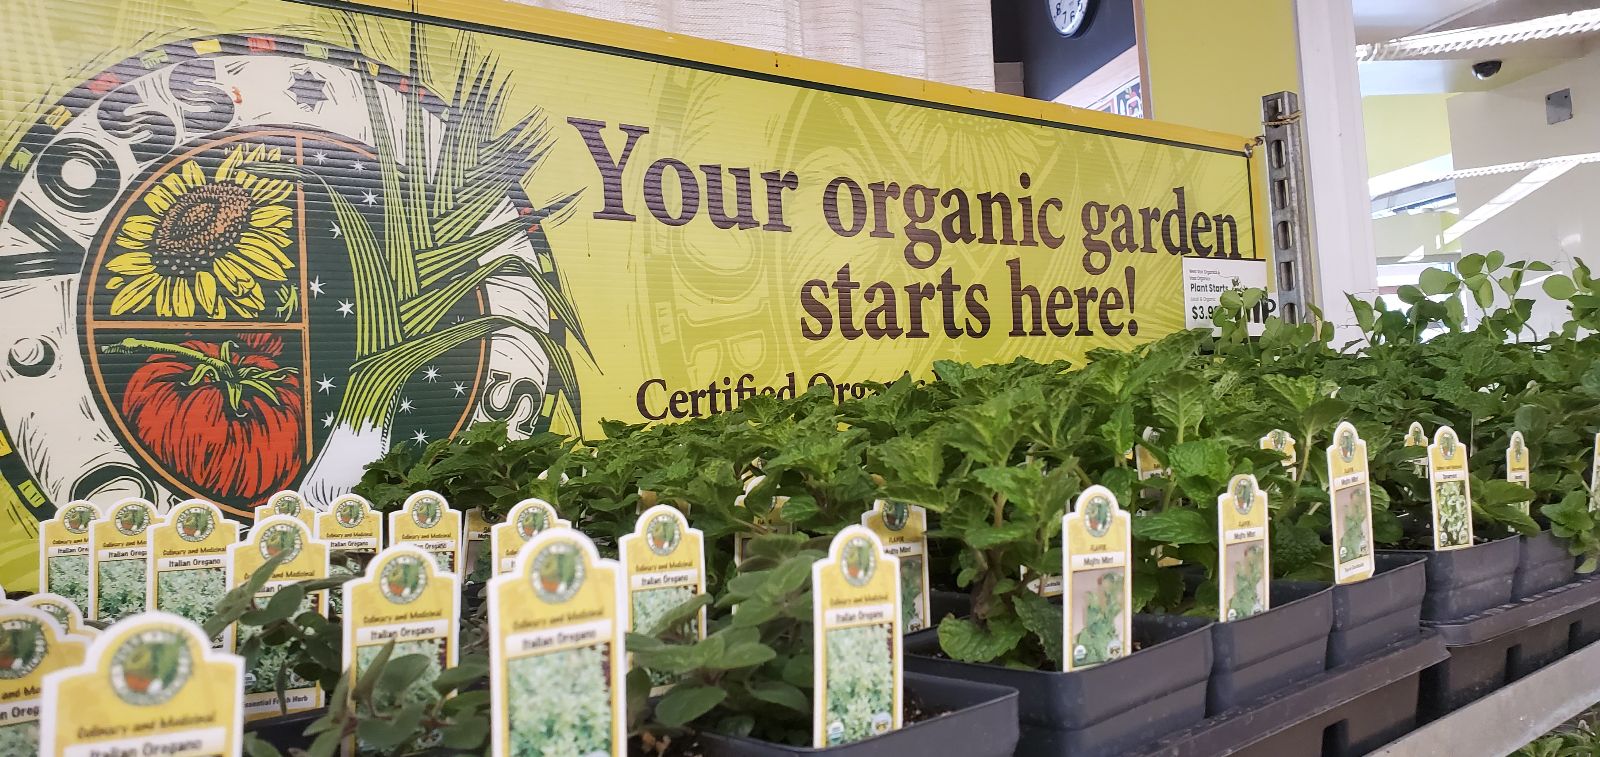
(1414, 160)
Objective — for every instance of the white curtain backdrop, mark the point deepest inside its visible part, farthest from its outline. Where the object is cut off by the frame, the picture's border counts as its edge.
(943, 40)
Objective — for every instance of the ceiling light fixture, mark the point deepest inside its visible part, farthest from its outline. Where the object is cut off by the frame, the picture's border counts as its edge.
(1435, 44)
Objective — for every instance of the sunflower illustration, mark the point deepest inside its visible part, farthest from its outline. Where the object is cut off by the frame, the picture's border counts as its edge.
(207, 243)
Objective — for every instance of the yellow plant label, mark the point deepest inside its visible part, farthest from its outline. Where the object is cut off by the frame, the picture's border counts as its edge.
(557, 678)
(527, 519)
(1416, 435)
(903, 529)
(351, 525)
(1519, 464)
(1282, 442)
(475, 536)
(32, 645)
(121, 548)
(288, 503)
(149, 685)
(1097, 596)
(1244, 566)
(64, 556)
(1450, 489)
(188, 568)
(406, 600)
(859, 666)
(1350, 508)
(306, 560)
(427, 521)
(665, 561)
(68, 614)
(742, 539)
(1594, 477)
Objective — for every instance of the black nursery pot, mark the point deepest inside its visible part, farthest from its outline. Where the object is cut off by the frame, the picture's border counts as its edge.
(1106, 709)
(1543, 563)
(1466, 581)
(1263, 653)
(1371, 615)
(980, 720)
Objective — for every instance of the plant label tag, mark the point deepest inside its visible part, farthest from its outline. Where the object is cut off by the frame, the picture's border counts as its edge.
(1450, 490)
(1144, 461)
(1594, 477)
(475, 536)
(64, 555)
(557, 666)
(32, 645)
(351, 525)
(527, 519)
(1416, 436)
(188, 568)
(665, 561)
(121, 547)
(1096, 542)
(402, 599)
(855, 614)
(1282, 442)
(742, 540)
(1244, 565)
(64, 611)
(1518, 465)
(305, 559)
(288, 503)
(903, 529)
(1350, 506)
(1048, 585)
(427, 521)
(151, 684)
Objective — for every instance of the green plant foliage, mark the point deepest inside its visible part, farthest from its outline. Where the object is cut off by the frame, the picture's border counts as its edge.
(192, 594)
(860, 683)
(560, 702)
(69, 577)
(121, 589)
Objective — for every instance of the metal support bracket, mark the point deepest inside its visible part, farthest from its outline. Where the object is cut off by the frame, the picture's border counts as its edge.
(1288, 193)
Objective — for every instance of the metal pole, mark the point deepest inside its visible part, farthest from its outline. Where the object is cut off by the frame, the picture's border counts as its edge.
(1288, 193)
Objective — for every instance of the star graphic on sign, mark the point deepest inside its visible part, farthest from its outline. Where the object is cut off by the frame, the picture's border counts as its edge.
(327, 420)
(358, 165)
(431, 374)
(308, 90)
(325, 384)
(421, 437)
(319, 156)
(337, 232)
(346, 307)
(459, 388)
(405, 405)
(315, 285)
(369, 197)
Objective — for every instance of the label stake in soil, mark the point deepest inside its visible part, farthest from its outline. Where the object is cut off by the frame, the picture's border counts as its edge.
(188, 563)
(120, 547)
(1350, 506)
(859, 665)
(288, 502)
(32, 645)
(1244, 564)
(1450, 491)
(665, 561)
(527, 519)
(427, 521)
(307, 559)
(1096, 541)
(1282, 442)
(64, 556)
(1518, 465)
(64, 610)
(351, 525)
(903, 529)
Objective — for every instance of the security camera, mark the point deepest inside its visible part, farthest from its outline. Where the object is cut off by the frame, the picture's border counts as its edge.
(1486, 68)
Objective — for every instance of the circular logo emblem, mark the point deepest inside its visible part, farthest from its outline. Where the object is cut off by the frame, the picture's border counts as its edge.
(426, 512)
(196, 523)
(56, 609)
(1097, 515)
(287, 503)
(557, 572)
(896, 515)
(22, 647)
(131, 519)
(403, 579)
(76, 518)
(1244, 496)
(663, 534)
(1347, 445)
(280, 538)
(349, 513)
(859, 561)
(202, 202)
(531, 521)
(150, 667)
(1447, 446)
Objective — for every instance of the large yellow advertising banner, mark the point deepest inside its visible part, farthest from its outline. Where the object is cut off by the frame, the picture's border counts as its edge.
(251, 245)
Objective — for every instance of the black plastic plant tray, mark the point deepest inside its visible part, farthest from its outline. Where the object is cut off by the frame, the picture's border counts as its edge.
(1371, 615)
(1106, 709)
(1542, 564)
(1465, 581)
(982, 722)
(1365, 704)
(1480, 627)
(1258, 655)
